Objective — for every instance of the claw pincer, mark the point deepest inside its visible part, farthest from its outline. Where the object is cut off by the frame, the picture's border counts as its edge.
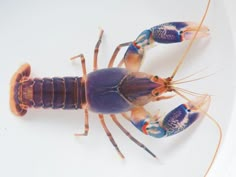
(166, 33)
(174, 122)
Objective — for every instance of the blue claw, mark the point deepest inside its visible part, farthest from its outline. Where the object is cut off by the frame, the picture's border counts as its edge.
(174, 32)
(185, 115)
(174, 122)
(166, 33)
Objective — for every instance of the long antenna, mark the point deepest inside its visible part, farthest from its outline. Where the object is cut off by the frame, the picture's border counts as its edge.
(190, 75)
(217, 125)
(191, 42)
(192, 80)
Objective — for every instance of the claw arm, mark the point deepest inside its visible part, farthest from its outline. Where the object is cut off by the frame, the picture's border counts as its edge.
(166, 33)
(174, 122)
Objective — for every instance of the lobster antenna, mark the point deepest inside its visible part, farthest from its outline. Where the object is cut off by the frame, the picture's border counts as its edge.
(191, 42)
(188, 92)
(192, 80)
(190, 75)
(217, 125)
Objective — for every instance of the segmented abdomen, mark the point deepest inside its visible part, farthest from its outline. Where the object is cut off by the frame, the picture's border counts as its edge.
(66, 93)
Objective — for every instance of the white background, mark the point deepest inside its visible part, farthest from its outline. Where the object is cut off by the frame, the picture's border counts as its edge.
(46, 34)
(230, 154)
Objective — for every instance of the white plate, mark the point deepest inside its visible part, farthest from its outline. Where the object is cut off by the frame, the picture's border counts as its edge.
(46, 34)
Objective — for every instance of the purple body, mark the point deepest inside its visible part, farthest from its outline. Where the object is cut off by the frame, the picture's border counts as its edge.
(107, 91)
(115, 90)
(65, 92)
(103, 94)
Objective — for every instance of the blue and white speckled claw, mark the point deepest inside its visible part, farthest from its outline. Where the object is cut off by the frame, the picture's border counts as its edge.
(185, 115)
(167, 33)
(174, 122)
(177, 32)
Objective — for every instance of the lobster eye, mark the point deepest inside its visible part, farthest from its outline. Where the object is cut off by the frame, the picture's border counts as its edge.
(155, 92)
(155, 78)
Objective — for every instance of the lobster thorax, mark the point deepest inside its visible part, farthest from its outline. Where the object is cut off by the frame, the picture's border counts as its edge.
(140, 88)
